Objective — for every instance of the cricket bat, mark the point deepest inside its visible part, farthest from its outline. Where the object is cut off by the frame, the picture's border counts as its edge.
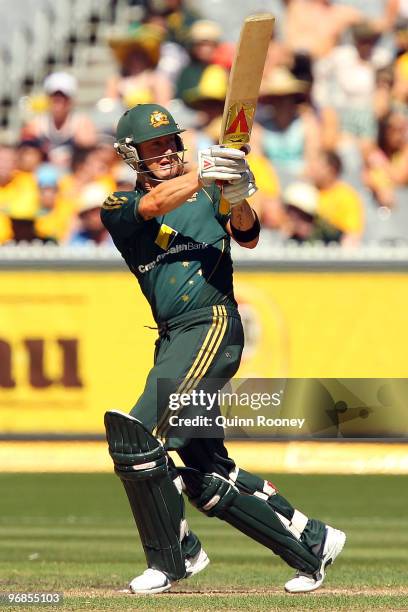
(244, 83)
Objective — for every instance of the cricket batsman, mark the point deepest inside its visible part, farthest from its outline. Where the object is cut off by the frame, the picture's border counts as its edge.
(175, 238)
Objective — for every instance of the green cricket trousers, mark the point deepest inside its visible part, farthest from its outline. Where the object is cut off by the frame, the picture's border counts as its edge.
(208, 343)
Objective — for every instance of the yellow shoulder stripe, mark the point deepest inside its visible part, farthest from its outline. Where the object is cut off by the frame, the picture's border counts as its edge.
(113, 202)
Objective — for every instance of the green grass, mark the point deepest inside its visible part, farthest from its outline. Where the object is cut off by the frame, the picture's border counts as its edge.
(74, 534)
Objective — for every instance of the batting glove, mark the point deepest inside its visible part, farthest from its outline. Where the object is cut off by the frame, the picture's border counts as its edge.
(220, 164)
(240, 190)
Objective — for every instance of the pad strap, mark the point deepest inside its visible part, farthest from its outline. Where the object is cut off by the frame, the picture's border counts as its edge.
(254, 517)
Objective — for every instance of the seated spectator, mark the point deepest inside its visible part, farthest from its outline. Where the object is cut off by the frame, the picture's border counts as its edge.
(345, 80)
(266, 201)
(90, 227)
(125, 178)
(288, 138)
(387, 164)
(175, 16)
(18, 190)
(62, 127)
(207, 100)
(29, 155)
(278, 54)
(176, 19)
(208, 96)
(204, 39)
(302, 223)
(401, 37)
(384, 91)
(224, 54)
(106, 155)
(400, 89)
(22, 229)
(395, 11)
(87, 167)
(55, 214)
(316, 26)
(137, 53)
(339, 204)
(19, 214)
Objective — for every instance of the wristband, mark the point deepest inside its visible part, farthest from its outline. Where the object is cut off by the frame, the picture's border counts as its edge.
(249, 234)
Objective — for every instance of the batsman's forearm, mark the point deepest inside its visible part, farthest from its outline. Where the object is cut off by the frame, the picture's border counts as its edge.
(168, 195)
(242, 216)
(244, 225)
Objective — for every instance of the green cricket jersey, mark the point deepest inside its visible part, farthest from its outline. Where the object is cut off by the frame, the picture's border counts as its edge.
(182, 259)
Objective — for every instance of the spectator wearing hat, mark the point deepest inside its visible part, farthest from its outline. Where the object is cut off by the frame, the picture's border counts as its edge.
(290, 139)
(55, 214)
(205, 102)
(137, 53)
(339, 204)
(125, 177)
(90, 227)
(61, 128)
(208, 96)
(204, 38)
(302, 223)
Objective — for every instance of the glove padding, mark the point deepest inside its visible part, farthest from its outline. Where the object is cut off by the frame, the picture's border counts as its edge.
(220, 164)
(240, 190)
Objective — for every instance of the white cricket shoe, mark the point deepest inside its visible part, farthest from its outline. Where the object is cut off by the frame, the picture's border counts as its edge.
(197, 564)
(302, 582)
(154, 581)
(150, 582)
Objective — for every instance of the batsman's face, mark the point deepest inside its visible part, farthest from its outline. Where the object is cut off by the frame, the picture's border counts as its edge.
(161, 156)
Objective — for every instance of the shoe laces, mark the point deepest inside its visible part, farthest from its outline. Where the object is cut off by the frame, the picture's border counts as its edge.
(150, 571)
(300, 574)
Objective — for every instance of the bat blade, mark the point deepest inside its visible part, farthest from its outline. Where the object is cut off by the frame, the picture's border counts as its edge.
(245, 80)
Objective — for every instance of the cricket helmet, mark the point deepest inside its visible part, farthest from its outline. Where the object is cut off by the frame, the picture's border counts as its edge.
(141, 123)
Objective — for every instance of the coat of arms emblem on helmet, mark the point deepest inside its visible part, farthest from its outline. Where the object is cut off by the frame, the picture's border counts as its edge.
(158, 118)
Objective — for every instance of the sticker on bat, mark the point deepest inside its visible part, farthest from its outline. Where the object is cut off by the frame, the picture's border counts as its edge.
(239, 123)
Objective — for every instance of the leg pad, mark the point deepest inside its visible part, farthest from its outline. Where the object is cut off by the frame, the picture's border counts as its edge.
(253, 516)
(140, 462)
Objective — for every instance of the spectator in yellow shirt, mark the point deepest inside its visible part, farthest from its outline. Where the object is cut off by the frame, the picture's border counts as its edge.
(17, 188)
(56, 214)
(87, 167)
(339, 203)
(18, 192)
(266, 201)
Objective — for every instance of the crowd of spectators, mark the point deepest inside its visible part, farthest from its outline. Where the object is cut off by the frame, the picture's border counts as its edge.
(329, 146)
